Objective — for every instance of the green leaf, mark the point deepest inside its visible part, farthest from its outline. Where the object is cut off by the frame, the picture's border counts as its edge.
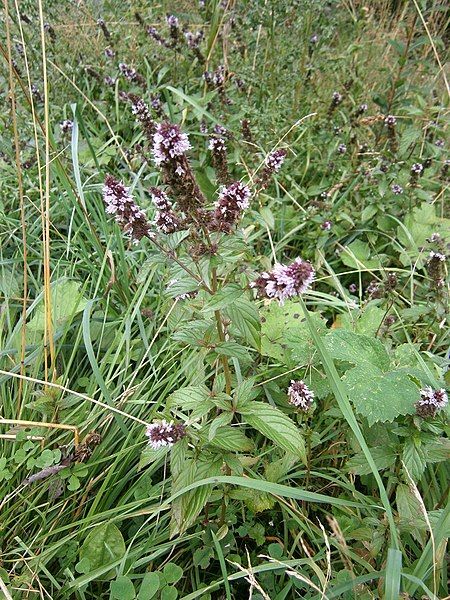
(393, 574)
(244, 315)
(192, 398)
(219, 421)
(169, 592)
(172, 572)
(186, 508)
(103, 546)
(223, 298)
(366, 321)
(284, 331)
(149, 586)
(414, 458)
(356, 348)
(232, 439)
(276, 426)
(9, 283)
(357, 256)
(384, 457)
(66, 302)
(149, 456)
(232, 349)
(122, 588)
(380, 396)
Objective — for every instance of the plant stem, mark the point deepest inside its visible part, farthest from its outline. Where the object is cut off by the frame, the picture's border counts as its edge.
(220, 331)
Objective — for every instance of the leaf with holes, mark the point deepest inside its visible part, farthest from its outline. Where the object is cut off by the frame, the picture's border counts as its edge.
(380, 396)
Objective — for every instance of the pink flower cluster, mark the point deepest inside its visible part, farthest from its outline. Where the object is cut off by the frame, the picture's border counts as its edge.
(127, 213)
(431, 401)
(169, 142)
(275, 160)
(300, 395)
(233, 200)
(164, 434)
(165, 218)
(285, 281)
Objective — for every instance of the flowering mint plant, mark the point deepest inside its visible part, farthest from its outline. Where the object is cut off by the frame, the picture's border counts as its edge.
(210, 273)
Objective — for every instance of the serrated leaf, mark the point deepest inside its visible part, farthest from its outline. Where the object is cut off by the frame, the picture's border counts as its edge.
(414, 458)
(276, 426)
(231, 439)
(180, 286)
(366, 321)
(283, 329)
(245, 317)
(187, 507)
(356, 348)
(232, 349)
(191, 397)
(219, 421)
(103, 546)
(227, 295)
(384, 457)
(380, 396)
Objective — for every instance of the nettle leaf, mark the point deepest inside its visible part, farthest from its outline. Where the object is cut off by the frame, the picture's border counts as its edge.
(380, 396)
(284, 330)
(232, 439)
(276, 426)
(300, 342)
(223, 298)
(103, 546)
(366, 321)
(244, 315)
(383, 456)
(356, 348)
